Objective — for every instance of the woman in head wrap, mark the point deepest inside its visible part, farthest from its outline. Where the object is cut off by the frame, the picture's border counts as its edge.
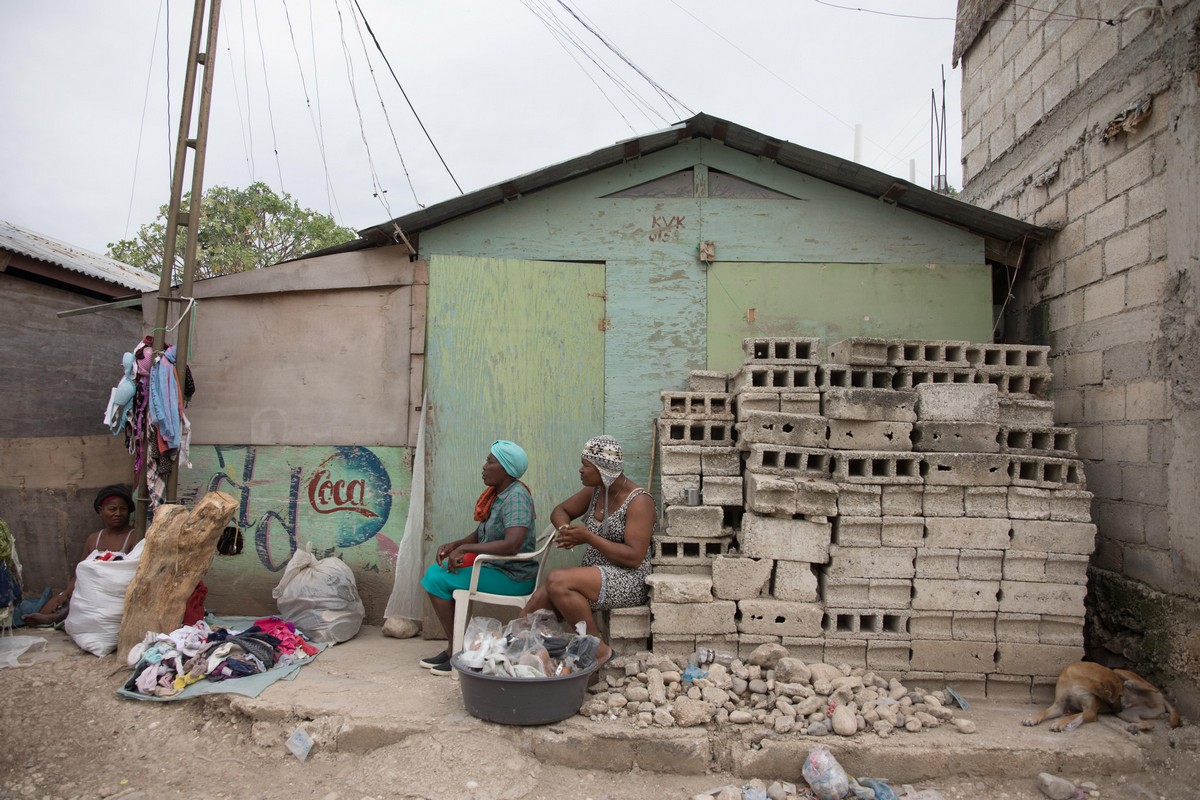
(618, 519)
(114, 504)
(505, 515)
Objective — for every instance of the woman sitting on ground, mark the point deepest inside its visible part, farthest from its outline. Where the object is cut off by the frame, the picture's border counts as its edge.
(505, 515)
(114, 505)
(618, 519)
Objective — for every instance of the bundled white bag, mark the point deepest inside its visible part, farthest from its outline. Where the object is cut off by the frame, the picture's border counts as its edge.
(321, 597)
(98, 602)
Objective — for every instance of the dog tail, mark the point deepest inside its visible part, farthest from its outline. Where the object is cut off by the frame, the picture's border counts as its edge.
(1173, 720)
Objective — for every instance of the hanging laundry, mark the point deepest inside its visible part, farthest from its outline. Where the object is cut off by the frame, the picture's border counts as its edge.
(164, 398)
(120, 400)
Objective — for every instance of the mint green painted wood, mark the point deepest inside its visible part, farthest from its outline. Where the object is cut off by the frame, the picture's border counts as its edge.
(655, 338)
(514, 351)
(834, 301)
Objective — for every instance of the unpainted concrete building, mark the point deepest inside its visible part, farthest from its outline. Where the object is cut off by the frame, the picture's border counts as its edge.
(1084, 118)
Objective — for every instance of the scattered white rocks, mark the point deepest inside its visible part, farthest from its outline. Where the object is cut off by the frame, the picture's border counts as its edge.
(771, 689)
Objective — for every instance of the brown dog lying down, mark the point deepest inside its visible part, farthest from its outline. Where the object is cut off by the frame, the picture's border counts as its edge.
(1092, 689)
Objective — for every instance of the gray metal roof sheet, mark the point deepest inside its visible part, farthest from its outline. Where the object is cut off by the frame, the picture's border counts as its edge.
(835, 170)
(43, 248)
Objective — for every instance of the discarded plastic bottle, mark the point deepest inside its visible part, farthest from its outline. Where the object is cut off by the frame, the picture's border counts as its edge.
(707, 655)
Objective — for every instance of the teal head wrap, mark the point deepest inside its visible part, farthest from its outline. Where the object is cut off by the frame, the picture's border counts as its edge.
(511, 457)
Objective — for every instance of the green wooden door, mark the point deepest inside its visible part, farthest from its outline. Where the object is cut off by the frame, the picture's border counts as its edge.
(514, 351)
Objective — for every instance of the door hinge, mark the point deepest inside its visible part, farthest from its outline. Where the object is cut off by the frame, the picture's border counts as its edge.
(604, 324)
(601, 295)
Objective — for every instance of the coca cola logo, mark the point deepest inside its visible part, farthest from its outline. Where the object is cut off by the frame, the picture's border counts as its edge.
(328, 494)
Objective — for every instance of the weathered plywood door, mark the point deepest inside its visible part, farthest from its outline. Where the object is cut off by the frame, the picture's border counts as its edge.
(515, 350)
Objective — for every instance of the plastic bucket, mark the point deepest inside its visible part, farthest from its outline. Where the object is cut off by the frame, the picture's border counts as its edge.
(522, 701)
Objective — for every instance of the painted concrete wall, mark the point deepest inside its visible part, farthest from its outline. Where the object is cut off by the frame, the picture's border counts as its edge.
(1114, 292)
(55, 374)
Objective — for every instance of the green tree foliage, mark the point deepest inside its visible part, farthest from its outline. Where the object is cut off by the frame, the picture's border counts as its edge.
(240, 229)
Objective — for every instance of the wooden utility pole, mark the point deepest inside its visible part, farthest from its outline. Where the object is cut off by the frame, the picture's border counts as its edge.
(197, 60)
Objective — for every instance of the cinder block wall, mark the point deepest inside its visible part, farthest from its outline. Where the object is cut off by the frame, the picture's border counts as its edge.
(1092, 129)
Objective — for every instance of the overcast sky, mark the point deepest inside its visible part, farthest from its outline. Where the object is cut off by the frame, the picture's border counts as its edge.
(503, 87)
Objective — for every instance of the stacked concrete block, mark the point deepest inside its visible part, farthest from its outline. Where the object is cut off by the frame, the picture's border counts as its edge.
(904, 505)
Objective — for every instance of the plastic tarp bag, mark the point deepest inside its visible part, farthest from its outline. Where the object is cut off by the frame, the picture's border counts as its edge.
(321, 597)
(825, 775)
(98, 602)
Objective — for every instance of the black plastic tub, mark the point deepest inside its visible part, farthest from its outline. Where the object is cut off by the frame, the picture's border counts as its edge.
(522, 701)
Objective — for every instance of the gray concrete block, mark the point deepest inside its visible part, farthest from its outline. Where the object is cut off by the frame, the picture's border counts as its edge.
(846, 651)
(967, 532)
(955, 595)
(928, 624)
(1017, 627)
(889, 593)
(902, 532)
(888, 656)
(974, 626)
(678, 552)
(852, 434)
(865, 466)
(1009, 688)
(859, 499)
(1066, 568)
(779, 618)
(666, 588)
(722, 490)
(858, 531)
(845, 592)
(786, 539)
(1064, 630)
(944, 501)
(629, 623)
(1016, 382)
(816, 498)
(871, 562)
(912, 377)
(1015, 658)
(861, 350)
(694, 619)
(725, 461)
(957, 402)
(696, 432)
(902, 500)
(1019, 411)
(795, 581)
(740, 578)
(937, 562)
(749, 401)
(1025, 502)
(697, 405)
(877, 623)
(770, 495)
(928, 353)
(1071, 505)
(1078, 538)
(888, 405)
(966, 469)
(775, 378)
(986, 501)
(708, 381)
(1024, 565)
(800, 402)
(789, 461)
(680, 459)
(983, 565)
(952, 656)
(777, 428)
(1038, 441)
(1018, 356)
(849, 376)
(809, 649)
(782, 350)
(955, 437)
(1026, 597)
(694, 522)
(1046, 473)
(674, 488)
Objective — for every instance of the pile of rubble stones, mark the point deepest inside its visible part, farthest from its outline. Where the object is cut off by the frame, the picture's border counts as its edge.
(771, 689)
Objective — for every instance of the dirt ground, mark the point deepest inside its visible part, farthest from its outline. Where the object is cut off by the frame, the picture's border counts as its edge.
(66, 735)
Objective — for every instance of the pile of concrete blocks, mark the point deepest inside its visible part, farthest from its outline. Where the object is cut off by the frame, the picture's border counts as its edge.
(904, 506)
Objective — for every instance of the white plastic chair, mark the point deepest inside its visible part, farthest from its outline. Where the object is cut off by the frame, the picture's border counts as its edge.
(464, 597)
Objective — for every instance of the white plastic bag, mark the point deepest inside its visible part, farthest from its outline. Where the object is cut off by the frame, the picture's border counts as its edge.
(98, 602)
(321, 597)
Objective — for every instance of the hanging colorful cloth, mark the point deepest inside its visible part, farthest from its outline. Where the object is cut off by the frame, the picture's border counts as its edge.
(164, 398)
(10, 576)
(120, 400)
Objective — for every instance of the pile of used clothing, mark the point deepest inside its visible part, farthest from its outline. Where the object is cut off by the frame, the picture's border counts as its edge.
(164, 664)
(533, 646)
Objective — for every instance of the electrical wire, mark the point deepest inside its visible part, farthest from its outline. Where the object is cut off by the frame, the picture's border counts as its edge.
(237, 95)
(270, 110)
(246, 76)
(312, 43)
(410, 105)
(1052, 16)
(137, 156)
(308, 105)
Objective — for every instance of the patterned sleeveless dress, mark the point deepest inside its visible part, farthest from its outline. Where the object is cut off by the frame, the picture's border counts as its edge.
(620, 587)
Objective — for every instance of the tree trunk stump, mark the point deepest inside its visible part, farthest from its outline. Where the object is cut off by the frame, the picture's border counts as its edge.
(178, 551)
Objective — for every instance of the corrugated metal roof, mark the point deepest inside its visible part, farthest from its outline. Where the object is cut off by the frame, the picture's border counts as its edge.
(52, 251)
(835, 170)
